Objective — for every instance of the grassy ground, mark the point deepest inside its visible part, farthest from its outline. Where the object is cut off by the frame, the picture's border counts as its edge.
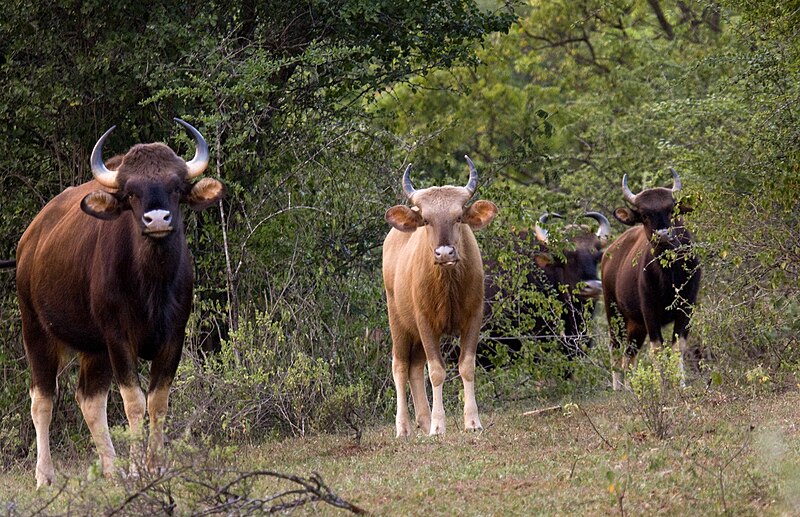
(735, 454)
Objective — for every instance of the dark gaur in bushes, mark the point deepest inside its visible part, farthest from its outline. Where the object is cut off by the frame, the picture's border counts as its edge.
(570, 275)
(104, 271)
(433, 275)
(651, 275)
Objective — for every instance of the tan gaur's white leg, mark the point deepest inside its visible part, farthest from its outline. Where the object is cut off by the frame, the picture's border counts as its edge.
(400, 374)
(422, 409)
(466, 369)
(42, 415)
(157, 404)
(134, 402)
(437, 374)
(472, 421)
(94, 412)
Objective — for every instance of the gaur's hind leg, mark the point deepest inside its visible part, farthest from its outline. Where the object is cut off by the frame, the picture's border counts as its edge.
(422, 408)
(43, 358)
(162, 373)
(619, 359)
(680, 331)
(466, 368)
(617, 332)
(94, 382)
(636, 337)
(436, 372)
(400, 371)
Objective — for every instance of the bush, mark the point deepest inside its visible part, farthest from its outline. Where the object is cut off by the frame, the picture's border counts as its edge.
(263, 382)
(657, 386)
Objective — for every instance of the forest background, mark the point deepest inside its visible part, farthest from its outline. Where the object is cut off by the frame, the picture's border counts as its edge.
(312, 109)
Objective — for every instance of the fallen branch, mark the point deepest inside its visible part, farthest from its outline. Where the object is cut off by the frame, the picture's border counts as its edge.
(543, 411)
(236, 494)
(212, 491)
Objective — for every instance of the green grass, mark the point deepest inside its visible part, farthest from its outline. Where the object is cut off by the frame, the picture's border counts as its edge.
(734, 454)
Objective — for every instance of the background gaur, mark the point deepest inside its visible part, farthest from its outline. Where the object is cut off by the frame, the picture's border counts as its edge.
(651, 276)
(568, 274)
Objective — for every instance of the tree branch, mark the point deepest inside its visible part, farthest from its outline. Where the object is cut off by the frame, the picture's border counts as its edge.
(662, 20)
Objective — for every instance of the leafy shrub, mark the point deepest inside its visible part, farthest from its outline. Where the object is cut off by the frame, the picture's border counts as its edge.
(263, 382)
(656, 385)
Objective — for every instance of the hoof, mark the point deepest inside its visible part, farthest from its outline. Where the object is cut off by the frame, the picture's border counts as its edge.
(402, 431)
(437, 427)
(424, 423)
(44, 479)
(473, 425)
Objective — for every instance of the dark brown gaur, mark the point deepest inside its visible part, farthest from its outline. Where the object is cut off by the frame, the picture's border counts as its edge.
(433, 275)
(571, 276)
(651, 276)
(578, 268)
(104, 272)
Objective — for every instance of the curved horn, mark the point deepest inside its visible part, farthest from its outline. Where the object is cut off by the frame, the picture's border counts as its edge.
(472, 184)
(103, 176)
(605, 227)
(676, 181)
(408, 188)
(626, 192)
(542, 234)
(547, 215)
(199, 163)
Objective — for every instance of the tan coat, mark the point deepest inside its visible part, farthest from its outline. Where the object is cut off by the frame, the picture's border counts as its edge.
(433, 275)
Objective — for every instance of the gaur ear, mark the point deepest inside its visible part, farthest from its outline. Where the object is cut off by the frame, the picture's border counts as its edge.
(403, 218)
(205, 193)
(684, 206)
(626, 216)
(543, 259)
(480, 214)
(102, 205)
(687, 201)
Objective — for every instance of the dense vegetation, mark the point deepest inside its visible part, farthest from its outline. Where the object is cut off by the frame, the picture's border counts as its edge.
(312, 108)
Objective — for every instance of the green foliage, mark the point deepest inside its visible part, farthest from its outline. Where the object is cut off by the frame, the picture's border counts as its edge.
(312, 108)
(278, 89)
(262, 382)
(656, 384)
(709, 88)
(345, 409)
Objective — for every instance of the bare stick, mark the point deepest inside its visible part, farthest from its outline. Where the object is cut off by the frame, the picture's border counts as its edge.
(595, 428)
(543, 411)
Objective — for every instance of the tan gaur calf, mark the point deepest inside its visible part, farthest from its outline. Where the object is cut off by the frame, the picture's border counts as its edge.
(433, 275)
